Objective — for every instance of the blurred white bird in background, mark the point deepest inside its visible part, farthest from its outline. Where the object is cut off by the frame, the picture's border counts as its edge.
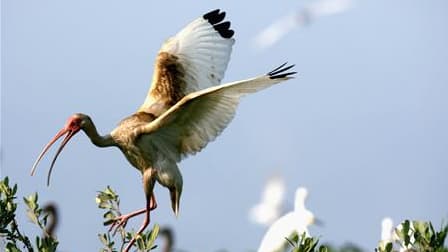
(270, 206)
(295, 221)
(305, 16)
(387, 232)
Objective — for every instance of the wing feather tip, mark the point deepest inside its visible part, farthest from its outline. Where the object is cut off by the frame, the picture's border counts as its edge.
(280, 72)
(215, 18)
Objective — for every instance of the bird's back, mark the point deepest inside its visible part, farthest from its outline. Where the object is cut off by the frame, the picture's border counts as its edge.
(275, 237)
(126, 126)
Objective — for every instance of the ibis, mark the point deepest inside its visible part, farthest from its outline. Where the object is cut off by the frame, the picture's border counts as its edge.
(185, 108)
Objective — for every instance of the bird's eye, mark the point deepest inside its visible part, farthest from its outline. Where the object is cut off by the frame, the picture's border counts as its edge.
(74, 123)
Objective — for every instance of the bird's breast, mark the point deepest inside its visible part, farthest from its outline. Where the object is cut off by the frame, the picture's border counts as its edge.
(138, 158)
(137, 154)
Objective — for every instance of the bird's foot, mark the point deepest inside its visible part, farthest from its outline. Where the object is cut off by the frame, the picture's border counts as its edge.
(118, 222)
(122, 220)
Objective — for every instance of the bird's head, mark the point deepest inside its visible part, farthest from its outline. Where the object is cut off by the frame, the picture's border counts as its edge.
(301, 194)
(74, 124)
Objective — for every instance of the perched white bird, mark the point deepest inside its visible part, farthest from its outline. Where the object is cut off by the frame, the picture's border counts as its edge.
(269, 208)
(387, 232)
(308, 14)
(295, 221)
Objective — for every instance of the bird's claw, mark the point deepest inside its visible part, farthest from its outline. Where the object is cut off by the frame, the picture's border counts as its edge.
(121, 221)
(118, 222)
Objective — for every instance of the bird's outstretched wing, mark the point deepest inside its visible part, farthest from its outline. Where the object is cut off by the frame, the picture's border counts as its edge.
(194, 59)
(200, 117)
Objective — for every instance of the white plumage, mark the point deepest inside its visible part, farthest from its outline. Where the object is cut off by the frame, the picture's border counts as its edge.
(203, 55)
(296, 221)
(387, 230)
(389, 234)
(200, 117)
(270, 206)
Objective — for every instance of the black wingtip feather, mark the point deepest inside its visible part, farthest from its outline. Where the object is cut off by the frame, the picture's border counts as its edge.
(210, 14)
(280, 72)
(215, 17)
(273, 71)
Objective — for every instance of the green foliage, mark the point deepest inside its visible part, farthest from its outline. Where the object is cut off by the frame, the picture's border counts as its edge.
(145, 241)
(303, 243)
(410, 236)
(348, 247)
(8, 224)
(416, 236)
(106, 199)
(36, 214)
(109, 200)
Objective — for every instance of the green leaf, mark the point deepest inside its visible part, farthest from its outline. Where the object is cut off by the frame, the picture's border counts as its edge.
(140, 243)
(103, 239)
(109, 215)
(10, 247)
(154, 233)
(323, 249)
(108, 222)
(14, 189)
(389, 247)
(405, 224)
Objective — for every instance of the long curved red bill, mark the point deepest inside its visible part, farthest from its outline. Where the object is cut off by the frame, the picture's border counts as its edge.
(70, 133)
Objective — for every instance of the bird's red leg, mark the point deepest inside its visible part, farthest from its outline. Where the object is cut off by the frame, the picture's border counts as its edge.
(121, 220)
(150, 202)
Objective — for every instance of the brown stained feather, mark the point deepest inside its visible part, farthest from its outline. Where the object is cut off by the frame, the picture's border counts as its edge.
(137, 119)
(144, 117)
(125, 140)
(169, 79)
(128, 124)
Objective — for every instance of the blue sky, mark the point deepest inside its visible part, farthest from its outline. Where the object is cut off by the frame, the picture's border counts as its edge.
(363, 126)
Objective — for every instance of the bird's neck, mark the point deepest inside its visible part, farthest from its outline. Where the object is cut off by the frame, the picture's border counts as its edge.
(98, 140)
(299, 206)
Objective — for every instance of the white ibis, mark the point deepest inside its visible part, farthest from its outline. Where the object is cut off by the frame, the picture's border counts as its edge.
(186, 108)
(294, 221)
(269, 208)
(387, 230)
